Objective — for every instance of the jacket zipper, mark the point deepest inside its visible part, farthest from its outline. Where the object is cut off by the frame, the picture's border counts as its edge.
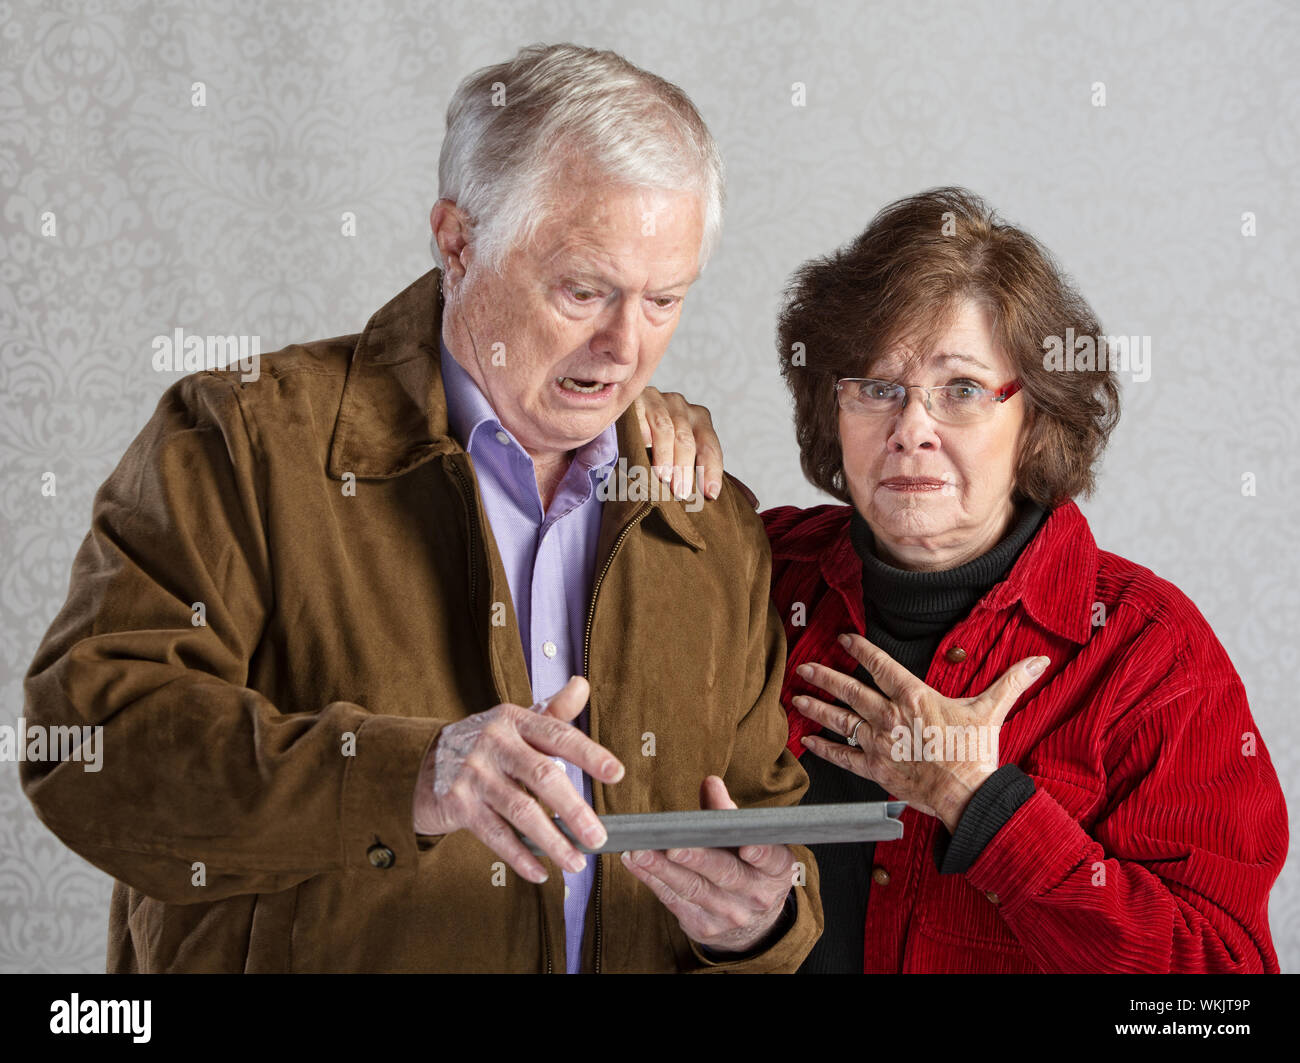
(546, 930)
(586, 674)
(471, 513)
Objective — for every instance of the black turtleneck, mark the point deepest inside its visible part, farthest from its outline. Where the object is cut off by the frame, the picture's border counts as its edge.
(908, 614)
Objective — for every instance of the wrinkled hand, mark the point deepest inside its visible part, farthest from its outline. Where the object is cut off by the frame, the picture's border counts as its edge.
(940, 787)
(724, 901)
(475, 774)
(680, 436)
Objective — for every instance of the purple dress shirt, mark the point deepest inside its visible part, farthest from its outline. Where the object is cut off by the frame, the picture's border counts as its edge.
(550, 560)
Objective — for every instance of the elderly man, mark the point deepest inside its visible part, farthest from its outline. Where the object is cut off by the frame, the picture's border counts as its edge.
(353, 627)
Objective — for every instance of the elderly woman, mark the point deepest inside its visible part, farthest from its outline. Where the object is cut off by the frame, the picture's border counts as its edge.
(1087, 790)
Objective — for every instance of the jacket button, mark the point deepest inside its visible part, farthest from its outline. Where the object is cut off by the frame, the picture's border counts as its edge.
(879, 876)
(381, 856)
(955, 655)
(992, 896)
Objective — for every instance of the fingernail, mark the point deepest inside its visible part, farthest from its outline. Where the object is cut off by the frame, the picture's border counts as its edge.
(844, 641)
(640, 857)
(614, 770)
(594, 835)
(577, 863)
(1036, 666)
(712, 488)
(799, 701)
(539, 875)
(676, 855)
(805, 670)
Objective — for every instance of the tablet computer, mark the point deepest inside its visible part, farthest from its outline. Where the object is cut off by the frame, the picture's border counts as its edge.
(865, 821)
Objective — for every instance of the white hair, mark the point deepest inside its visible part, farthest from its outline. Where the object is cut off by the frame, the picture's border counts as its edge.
(512, 128)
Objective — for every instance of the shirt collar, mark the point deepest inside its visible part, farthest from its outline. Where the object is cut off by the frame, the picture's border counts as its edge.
(467, 406)
(468, 410)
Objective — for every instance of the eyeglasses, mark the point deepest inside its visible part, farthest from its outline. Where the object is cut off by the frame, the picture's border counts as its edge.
(949, 403)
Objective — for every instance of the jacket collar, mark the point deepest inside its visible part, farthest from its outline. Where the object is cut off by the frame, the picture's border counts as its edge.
(392, 415)
(1054, 578)
(393, 412)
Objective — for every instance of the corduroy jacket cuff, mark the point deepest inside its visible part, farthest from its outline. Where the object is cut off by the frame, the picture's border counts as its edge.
(992, 805)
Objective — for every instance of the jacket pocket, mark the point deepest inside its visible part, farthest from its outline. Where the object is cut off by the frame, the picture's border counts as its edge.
(965, 923)
(958, 929)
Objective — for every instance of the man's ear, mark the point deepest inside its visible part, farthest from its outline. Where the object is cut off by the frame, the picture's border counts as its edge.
(451, 232)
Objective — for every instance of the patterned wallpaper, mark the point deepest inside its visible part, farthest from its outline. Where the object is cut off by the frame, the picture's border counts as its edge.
(195, 166)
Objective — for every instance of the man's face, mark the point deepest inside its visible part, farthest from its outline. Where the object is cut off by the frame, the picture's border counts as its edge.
(572, 329)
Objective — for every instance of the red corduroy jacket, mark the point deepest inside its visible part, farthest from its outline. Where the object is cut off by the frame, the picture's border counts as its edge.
(1158, 825)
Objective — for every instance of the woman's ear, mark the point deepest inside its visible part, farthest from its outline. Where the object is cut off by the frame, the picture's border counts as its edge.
(1030, 444)
(1032, 440)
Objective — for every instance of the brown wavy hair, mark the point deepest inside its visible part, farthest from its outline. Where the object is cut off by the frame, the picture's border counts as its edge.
(901, 281)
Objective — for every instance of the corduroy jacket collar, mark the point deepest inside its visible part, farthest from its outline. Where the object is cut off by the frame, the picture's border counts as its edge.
(1062, 546)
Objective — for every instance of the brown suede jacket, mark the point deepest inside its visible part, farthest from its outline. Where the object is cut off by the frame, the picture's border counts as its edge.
(287, 590)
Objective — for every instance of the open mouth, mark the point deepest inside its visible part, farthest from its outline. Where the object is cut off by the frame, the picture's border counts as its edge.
(583, 387)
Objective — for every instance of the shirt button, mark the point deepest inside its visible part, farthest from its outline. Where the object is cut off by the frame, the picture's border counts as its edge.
(502, 438)
(992, 896)
(955, 655)
(381, 856)
(879, 876)
(548, 648)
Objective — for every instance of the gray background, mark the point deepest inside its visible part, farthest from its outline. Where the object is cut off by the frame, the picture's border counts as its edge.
(226, 219)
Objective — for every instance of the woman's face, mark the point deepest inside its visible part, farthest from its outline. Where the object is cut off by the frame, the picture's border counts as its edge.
(937, 495)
